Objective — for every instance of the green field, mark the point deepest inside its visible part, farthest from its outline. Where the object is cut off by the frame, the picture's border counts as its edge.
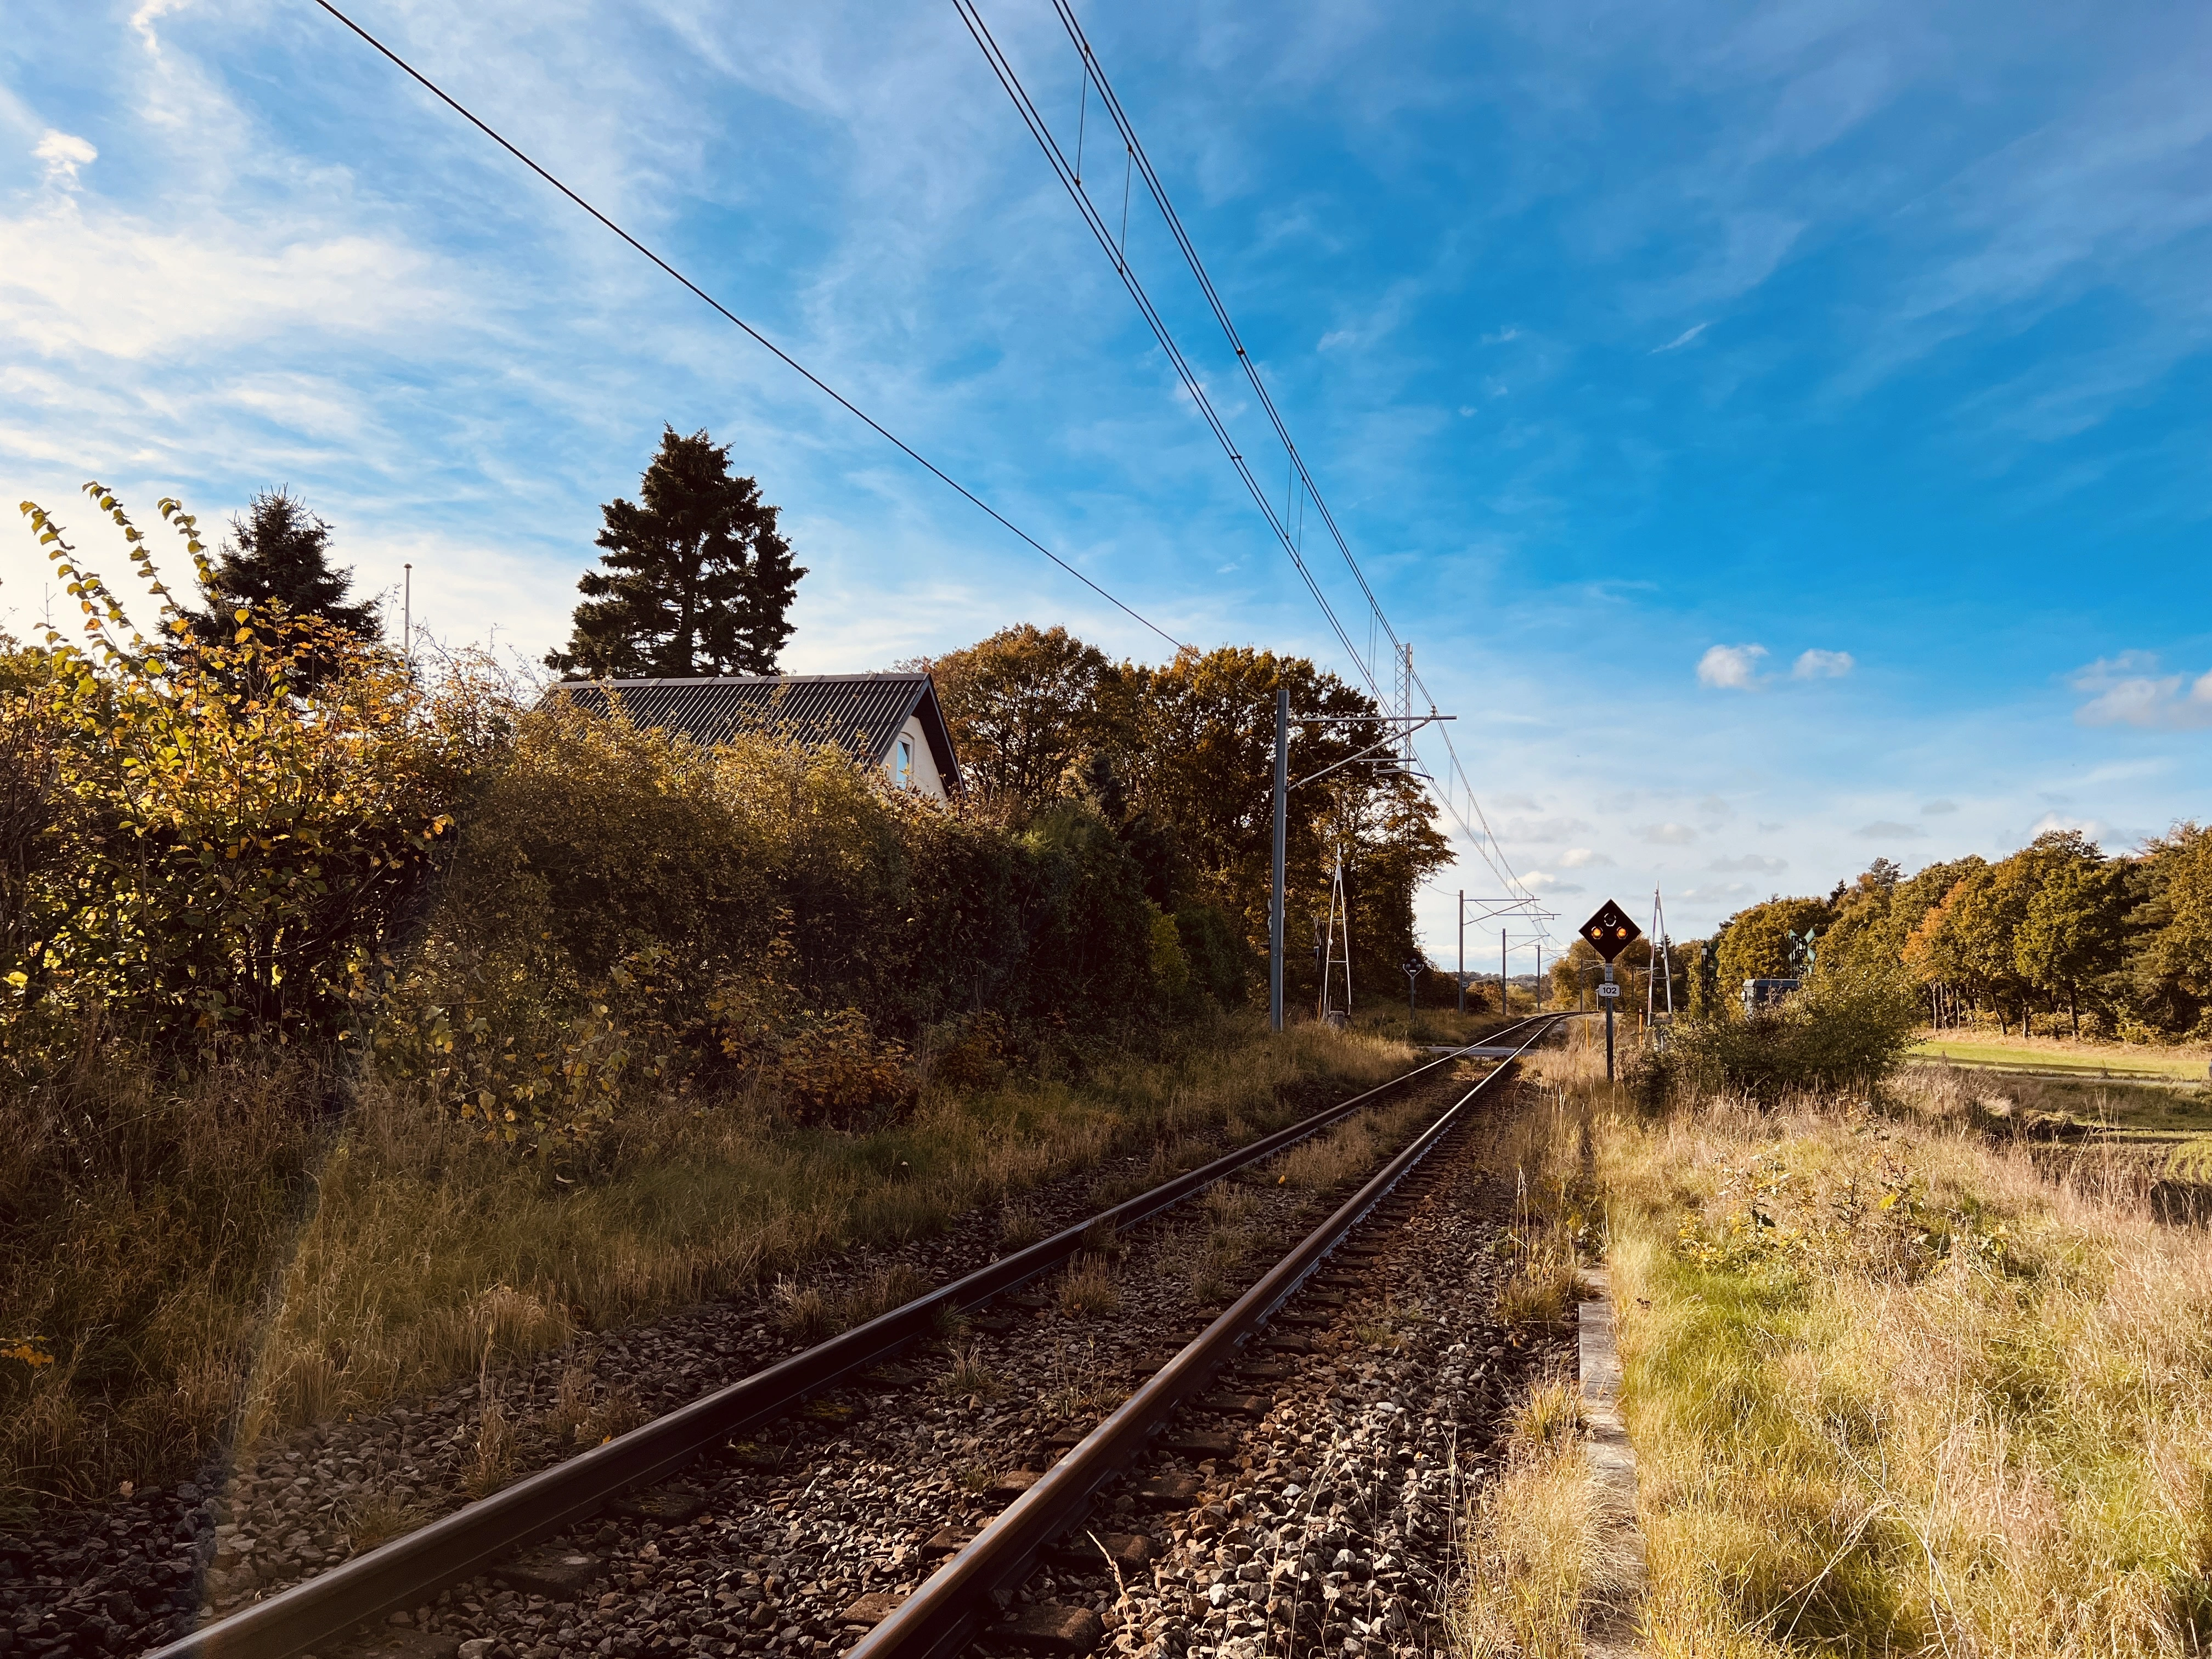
(2066, 1060)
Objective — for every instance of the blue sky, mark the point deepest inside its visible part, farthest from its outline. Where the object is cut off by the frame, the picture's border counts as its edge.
(1641, 352)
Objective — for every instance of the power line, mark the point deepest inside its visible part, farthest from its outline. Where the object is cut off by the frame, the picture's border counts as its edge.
(1485, 842)
(759, 339)
(1093, 71)
(1099, 229)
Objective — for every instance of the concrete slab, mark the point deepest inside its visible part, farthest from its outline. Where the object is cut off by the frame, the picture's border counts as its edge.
(1048, 1627)
(1167, 1489)
(555, 1572)
(1613, 1629)
(871, 1609)
(671, 1507)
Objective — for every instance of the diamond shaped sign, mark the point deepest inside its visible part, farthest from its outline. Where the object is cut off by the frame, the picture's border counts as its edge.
(1610, 931)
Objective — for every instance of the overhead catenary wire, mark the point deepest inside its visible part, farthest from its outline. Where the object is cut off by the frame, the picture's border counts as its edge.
(1301, 485)
(1100, 229)
(759, 339)
(1485, 843)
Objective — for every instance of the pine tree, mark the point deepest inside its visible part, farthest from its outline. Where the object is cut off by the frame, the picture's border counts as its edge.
(279, 556)
(696, 580)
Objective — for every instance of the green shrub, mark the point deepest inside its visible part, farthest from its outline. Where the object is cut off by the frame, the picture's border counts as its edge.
(205, 841)
(1849, 1028)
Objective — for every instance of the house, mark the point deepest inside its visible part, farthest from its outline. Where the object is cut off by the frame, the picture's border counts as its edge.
(891, 720)
(1767, 992)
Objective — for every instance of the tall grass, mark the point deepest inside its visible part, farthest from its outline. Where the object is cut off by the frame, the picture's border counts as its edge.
(1898, 1387)
(244, 1268)
(139, 1226)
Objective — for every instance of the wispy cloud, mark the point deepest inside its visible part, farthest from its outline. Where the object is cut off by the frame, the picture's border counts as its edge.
(1682, 339)
(2095, 829)
(1886, 830)
(1749, 864)
(66, 155)
(1937, 808)
(1540, 830)
(1668, 835)
(2127, 690)
(1583, 858)
(1730, 667)
(1541, 881)
(1822, 665)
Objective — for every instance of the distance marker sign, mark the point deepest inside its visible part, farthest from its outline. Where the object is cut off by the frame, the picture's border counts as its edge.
(1610, 931)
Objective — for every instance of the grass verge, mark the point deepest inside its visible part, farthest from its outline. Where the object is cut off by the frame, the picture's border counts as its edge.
(1897, 1386)
(280, 1277)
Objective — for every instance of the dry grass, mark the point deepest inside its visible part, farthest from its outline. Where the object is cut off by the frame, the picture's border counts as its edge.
(1089, 1289)
(968, 1373)
(402, 1250)
(491, 1463)
(1342, 1153)
(137, 1226)
(1899, 1388)
(378, 1516)
(1541, 1559)
(1019, 1227)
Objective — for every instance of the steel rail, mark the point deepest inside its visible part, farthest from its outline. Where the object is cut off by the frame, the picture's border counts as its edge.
(946, 1613)
(404, 1573)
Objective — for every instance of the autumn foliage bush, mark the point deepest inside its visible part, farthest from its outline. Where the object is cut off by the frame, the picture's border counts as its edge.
(247, 884)
(207, 841)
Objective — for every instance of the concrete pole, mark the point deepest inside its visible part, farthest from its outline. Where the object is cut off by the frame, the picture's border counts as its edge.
(1282, 826)
(1504, 1004)
(1462, 949)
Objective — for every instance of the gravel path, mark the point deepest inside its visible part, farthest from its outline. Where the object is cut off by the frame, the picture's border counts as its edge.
(1312, 1508)
(135, 1572)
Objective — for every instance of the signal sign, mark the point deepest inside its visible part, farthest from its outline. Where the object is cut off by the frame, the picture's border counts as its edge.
(1610, 931)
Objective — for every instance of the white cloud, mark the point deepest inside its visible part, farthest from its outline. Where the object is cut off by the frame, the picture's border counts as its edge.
(1669, 835)
(1731, 667)
(1682, 339)
(64, 154)
(2095, 829)
(1885, 829)
(1822, 665)
(111, 285)
(1539, 881)
(1583, 858)
(1750, 864)
(1722, 892)
(1541, 829)
(2127, 690)
(1937, 808)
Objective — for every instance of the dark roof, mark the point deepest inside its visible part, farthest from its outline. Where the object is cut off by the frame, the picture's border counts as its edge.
(862, 714)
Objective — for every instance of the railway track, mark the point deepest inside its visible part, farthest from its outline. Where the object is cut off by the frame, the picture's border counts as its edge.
(591, 1501)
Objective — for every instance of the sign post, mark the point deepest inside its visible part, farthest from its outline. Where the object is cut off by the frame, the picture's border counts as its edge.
(1413, 967)
(1610, 933)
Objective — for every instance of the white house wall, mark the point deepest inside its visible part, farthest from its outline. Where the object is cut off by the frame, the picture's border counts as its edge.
(925, 778)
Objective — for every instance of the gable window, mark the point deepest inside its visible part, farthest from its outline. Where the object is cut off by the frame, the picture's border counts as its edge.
(905, 762)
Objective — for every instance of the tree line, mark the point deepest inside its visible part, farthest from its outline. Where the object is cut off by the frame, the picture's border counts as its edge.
(2059, 936)
(263, 824)
(1179, 758)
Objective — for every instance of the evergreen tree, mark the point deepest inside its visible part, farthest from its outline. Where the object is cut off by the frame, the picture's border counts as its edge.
(278, 559)
(693, 580)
